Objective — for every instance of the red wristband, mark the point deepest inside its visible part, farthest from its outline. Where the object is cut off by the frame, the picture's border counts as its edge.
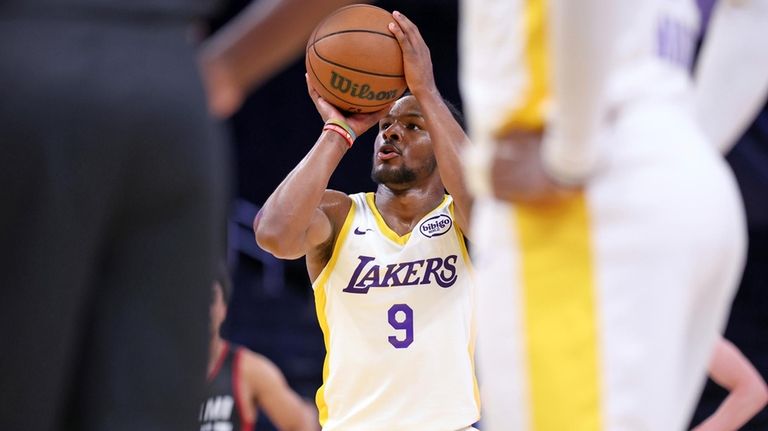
(341, 131)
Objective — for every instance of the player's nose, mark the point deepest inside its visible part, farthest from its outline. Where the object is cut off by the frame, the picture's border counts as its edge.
(393, 132)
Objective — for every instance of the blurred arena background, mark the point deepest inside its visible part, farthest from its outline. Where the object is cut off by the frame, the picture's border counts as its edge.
(272, 308)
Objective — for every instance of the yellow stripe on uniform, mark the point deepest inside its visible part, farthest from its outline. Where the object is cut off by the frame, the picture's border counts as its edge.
(473, 335)
(560, 316)
(530, 114)
(320, 300)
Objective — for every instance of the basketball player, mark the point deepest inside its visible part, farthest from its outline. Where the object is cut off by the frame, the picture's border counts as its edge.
(610, 234)
(748, 393)
(240, 382)
(389, 268)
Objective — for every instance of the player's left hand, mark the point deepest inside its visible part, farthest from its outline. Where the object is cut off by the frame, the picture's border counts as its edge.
(518, 174)
(417, 61)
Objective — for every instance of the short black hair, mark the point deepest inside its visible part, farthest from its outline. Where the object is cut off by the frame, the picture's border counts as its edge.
(224, 280)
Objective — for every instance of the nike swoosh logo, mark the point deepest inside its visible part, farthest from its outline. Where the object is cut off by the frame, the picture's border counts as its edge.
(357, 231)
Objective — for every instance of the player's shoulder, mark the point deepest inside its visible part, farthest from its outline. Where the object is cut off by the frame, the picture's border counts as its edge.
(336, 204)
(248, 356)
(258, 367)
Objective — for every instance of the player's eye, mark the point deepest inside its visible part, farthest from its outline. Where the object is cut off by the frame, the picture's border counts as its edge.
(384, 126)
(413, 126)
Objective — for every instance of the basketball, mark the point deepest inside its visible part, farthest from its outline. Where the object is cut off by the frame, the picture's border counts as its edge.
(354, 61)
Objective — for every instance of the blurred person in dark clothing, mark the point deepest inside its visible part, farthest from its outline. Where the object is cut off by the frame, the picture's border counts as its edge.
(241, 383)
(114, 192)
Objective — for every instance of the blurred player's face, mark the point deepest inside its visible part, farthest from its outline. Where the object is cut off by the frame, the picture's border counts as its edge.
(218, 309)
(403, 152)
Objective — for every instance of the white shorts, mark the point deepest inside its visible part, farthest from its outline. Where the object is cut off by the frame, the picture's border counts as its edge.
(602, 314)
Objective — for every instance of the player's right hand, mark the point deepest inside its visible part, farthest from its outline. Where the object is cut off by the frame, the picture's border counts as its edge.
(518, 174)
(359, 122)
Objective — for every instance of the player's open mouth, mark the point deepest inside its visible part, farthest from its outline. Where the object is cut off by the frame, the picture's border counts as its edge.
(387, 152)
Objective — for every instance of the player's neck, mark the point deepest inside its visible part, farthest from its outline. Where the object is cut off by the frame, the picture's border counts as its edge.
(402, 209)
(216, 348)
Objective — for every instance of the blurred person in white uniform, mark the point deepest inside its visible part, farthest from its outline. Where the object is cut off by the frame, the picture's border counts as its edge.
(609, 232)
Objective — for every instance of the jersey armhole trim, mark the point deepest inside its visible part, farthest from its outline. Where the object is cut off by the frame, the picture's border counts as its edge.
(320, 303)
(244, 423)
(343, 233)
(461, 239)
(473, 319)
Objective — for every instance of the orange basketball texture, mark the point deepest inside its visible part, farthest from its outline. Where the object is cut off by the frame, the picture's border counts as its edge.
(354, 61)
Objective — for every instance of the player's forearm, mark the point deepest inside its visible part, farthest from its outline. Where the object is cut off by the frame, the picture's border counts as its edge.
(300, 421)
(282, 224)
(303, 421)
(266, 36)
(737, 409)
(449, 142)
(748, 392)
(582, 44)
(288, 411)
(731, 81)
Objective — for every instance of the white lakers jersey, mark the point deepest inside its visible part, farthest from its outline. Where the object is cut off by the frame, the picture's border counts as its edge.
(397, 318)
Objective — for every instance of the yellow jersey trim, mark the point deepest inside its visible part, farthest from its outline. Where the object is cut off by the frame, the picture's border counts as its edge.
(560, 315)
(462, 241)
(473, 333)
(320, 301)
(370, 197)
(531, 113)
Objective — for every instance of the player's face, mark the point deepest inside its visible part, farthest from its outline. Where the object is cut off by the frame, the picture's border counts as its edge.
(402, 153)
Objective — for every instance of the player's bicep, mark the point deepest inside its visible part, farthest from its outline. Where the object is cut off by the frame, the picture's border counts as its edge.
(328, 220)
(319, 231)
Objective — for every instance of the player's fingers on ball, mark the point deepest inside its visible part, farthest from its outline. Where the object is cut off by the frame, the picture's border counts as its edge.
(405, 42)
(405, 28)
(408, 26)
(397, 31)
(403, 20)
(323, 104)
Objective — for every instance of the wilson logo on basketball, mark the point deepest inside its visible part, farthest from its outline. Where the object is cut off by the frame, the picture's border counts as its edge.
(435, 226)
(346, 86)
